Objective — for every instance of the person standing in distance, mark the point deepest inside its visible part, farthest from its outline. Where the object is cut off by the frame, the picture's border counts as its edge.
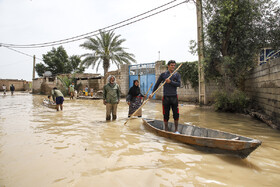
(58, 98)
(111, 97)
(4, 89)
(72, 90)
(86, 90)
(170, 97)
(12, 88)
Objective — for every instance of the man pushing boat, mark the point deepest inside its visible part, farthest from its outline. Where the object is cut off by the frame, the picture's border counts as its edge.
(170, 97)
(58, 98)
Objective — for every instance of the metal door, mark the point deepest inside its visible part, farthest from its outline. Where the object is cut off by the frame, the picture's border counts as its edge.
(145, 74)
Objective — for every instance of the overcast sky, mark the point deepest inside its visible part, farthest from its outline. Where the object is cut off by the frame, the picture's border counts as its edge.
(40, 21)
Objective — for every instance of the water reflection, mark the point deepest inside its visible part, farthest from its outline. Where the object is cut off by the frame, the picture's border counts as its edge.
(77, 147)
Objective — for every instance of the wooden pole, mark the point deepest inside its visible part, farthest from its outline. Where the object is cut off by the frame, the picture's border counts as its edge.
(153, 93)
(201, 80)
(33, 76)
(34, 61)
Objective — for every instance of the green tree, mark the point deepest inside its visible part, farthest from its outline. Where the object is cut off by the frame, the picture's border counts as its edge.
(236, 30)
(189, 74)
(75, 63)
(40, 69)
(106, 49)
(57, 62)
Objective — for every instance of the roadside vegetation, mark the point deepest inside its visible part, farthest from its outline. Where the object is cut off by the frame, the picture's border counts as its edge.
(66, 82)
(189, 74)
(234, 33)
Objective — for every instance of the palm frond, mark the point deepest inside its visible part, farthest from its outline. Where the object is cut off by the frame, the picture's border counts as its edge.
(106, 49)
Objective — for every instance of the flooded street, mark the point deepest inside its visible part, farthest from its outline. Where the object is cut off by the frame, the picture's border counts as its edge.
(77, 147)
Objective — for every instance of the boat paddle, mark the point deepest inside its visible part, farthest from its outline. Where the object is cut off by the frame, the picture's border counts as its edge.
(153, 93)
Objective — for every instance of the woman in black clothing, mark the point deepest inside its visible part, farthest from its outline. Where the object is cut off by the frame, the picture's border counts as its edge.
(134, 99)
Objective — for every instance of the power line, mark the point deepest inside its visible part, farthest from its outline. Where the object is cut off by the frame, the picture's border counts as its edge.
(85, 35)
(95, 30)
(11, 64)
(76, 38)
(22, 53)
(94, 33)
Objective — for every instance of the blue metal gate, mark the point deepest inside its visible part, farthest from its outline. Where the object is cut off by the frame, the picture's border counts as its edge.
(145, 74)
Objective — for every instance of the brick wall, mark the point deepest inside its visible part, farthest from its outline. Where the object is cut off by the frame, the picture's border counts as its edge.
(124, 79)
(263, 85)
(20, 85)
(43, 85)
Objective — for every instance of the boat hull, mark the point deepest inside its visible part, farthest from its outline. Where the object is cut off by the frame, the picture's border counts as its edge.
(206, 139)
(47, 104)
(90, 97)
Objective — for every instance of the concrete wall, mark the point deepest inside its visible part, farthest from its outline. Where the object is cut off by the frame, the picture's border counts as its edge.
(211, 87)
(44, 85)
(20, 85)
(263, 85)
(95, 84)
(36, 85)
(124, 79)
(159, 68)
(121, 78)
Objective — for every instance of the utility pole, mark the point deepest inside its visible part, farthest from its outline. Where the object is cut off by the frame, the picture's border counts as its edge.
(201, 79)
(33, 76)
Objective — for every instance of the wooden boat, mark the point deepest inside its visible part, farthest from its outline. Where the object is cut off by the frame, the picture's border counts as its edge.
(206, 139)
(48, 104)
(89, 97)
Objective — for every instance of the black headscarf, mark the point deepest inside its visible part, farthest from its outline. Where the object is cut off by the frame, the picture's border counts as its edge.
(134, 90)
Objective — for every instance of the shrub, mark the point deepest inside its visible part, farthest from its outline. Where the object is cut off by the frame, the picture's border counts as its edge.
(231, 102)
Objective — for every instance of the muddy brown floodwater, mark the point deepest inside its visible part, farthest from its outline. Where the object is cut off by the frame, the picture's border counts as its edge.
(77, 147)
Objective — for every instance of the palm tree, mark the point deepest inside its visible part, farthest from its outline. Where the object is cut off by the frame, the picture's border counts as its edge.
(106, 49)
(66, 82)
